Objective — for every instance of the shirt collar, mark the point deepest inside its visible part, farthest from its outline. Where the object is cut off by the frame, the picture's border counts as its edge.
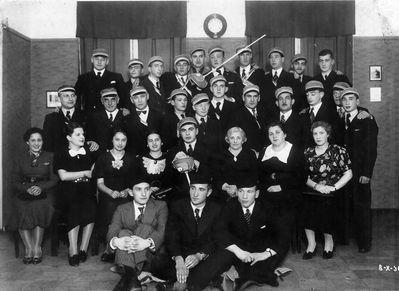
(192, 144)
(246, 68)
(71, 111)
(113, 113)
(199, 118)
(286, 115)
(353, 114)
(278, 72)
(153, 80)
(137, 210)
(196, 207)
(214, 101)
(316, 108)
(97, 71)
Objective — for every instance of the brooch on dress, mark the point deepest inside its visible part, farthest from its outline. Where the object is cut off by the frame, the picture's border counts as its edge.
(154, 166)
(117, 164)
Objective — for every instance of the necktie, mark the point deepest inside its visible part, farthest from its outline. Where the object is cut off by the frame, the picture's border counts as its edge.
(218, 111)
(182, 80)
(68, 115)
(140, 217)
(282, 118)
(98, 74)
(311, 115)
(158, 85)
(219, 71)
(325, 77)
(182, 116)
(247, 216)
(300, 78)
(110, 117)
(190, 150)
(197, 217)
(275, 78)
(243, 75)
(255, 114)
(142, 111)
(202, 120)
(347, 120)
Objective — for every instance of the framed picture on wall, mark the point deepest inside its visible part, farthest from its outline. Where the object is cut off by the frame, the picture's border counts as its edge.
(375, 73)
(52, 99)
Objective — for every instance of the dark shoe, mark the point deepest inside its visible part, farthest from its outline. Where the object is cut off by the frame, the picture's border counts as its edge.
(132, 282)
(37, 260)
(27, 260)
(74, 260)
(364, 250)
(121, 286)
(328, 254)
(82, 256)
(107, 257)
(309, 255)
(118, 269)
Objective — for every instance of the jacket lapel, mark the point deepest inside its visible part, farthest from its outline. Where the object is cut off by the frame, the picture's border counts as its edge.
(190, 221)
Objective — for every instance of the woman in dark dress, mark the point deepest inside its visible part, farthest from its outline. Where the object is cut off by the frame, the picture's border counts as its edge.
(153, 166)
(329, 169)
(234, 162)
(35, 179)
(114, 171)
(74, 166)
(281, 174)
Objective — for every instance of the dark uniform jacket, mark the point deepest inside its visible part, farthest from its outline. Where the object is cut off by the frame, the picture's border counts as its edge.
(54, 128)
(256, 75)
(298, 87)
(156, 101)
(211, 135)
(185, 237)
(100, 129)
(88, 88)
(234, 84)
(226, 115)
(136, 130)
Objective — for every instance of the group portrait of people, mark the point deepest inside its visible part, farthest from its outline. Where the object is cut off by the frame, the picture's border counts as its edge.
(200, 176)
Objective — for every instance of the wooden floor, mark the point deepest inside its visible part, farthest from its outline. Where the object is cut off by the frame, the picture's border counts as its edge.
(348, 270)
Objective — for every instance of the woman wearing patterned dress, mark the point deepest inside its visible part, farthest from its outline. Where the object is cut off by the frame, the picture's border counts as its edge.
(329, 169)
(35, 179)
(234, 162)
(114, 171)
(153, 165)
(74, 166)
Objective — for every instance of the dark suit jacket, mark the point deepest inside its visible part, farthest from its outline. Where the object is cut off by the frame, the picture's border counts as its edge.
(234, 84)
(255, 129)
(324, 114)
(54, 128)
(152, 226)
(328, 84)
(256, 77)
(361, 143)
(100, 129)
(211, 135)
(301, 101)
(293, 127)
(136, 131)
(264, 230)
(226, 115)
(156, 101)
(171, 83)
(168, 129)
(88, 88)
(268, 100)
(184, 236)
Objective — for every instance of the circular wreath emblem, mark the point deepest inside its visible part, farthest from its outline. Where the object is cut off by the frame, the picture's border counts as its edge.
(215, 25)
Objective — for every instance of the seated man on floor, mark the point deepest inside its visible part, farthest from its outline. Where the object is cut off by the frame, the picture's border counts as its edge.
(250, 237)
(189, 233)
(136, 232)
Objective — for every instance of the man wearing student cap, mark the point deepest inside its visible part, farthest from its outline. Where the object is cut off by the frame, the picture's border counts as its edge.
(55, 123)
(249, 72)
(89, 85)
(152, 83)
(189, 232)
(101, 124)
(179, 79)
(137, 232)
(285, 102)
(361, 143)
(209, 130)
(222, 106)
(298, 63)
(277, 77)
(233, 81)
(318, 110)
(179, 104)
(189, 155)
(248, 235)
(198, 65)
(251, 118)
(135, 67)
(140, 121)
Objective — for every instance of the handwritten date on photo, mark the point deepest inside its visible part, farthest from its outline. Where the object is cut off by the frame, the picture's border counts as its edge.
(387, 268)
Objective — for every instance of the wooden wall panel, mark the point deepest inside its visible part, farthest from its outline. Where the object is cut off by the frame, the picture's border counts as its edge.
(382, 51)
(16, 108)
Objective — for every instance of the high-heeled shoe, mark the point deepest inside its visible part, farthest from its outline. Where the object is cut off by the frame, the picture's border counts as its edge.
(37, 260)
(74, 260)
(309, 255)
(328, 254)
(82, 256)
(27, 260)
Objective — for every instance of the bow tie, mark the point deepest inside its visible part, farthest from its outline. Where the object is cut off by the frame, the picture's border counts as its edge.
(74, 153)
(141, 111)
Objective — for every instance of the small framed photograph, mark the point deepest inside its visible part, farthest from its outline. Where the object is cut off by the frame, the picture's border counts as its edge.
(375, 73)
(52, 99)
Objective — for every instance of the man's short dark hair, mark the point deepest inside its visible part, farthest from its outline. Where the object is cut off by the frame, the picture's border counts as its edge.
(325, 52)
